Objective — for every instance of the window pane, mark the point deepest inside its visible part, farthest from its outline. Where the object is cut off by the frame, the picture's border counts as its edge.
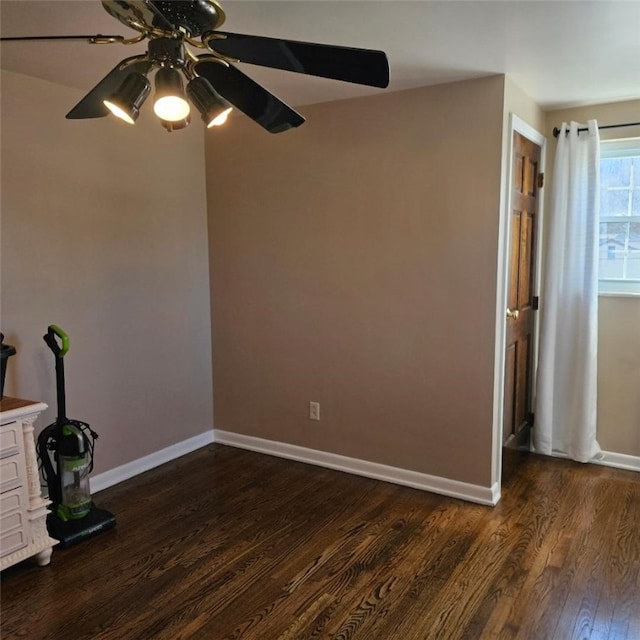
(615, 172)
(614, 232)
(635, 200)
(614, 203)
(633, 265)
(633, 261)
(613, 242)
(610, 265)
(619, 258)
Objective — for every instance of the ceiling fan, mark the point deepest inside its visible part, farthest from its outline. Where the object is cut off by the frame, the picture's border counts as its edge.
(184, 43)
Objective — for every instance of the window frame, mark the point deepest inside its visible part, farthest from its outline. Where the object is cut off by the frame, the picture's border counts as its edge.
(618, 148)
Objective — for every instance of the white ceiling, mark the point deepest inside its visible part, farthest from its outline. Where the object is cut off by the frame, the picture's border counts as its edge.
(559, 52)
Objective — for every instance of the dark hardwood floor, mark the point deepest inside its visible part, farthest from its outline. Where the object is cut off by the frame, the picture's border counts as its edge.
(227, 544)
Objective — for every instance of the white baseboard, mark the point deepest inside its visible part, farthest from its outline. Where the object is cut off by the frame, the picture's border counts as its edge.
(618, 461)
(415, 479)
(135, 467)
(436, 484)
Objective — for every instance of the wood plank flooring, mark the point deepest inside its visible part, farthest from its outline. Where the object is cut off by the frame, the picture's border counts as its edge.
(225, 544)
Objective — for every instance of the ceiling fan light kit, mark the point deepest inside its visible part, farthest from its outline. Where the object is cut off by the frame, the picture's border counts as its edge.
(176, 125)
(125, 103)
(214, 84)
(213, 109)
(171, 102)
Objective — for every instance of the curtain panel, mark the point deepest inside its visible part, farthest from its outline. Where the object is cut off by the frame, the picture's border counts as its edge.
(567, 364)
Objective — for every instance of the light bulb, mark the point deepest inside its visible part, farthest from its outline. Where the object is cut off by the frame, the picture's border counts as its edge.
(118, 112)
(220, 119)
(171, 108)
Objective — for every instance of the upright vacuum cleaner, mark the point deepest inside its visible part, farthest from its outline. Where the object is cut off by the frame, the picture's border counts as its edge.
(65, 449)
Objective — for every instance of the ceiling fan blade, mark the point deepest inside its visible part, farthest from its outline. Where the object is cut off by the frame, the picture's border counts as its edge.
(361, 66)
(248, 96)
(91, 105)
(92, 38)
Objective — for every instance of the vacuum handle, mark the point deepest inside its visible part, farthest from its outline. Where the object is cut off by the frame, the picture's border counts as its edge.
(59, 350)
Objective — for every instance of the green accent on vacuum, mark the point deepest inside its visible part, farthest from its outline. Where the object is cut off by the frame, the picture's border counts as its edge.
(63, 336)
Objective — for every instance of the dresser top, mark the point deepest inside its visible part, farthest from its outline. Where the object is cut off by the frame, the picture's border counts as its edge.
(7, 403)
(11, 408)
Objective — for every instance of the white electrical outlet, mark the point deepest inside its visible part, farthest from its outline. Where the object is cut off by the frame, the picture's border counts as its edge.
(314, 411)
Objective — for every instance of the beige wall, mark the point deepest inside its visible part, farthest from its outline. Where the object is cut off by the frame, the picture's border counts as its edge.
(619, 317)
(518, 102)
(353, 263)
(104, 233)
(619, 375)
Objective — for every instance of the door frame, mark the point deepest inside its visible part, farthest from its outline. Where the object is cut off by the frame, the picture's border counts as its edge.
(515, 125)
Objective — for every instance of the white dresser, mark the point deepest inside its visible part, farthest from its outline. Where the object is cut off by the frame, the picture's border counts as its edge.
(23, 510)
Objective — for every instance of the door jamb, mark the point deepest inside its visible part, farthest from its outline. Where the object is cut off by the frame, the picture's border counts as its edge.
(518, 125)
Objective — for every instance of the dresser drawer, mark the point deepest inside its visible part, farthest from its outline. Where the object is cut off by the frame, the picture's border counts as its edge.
(14, 527)
(12, 541)
(10, 439)
(11, 501)
(10, 476)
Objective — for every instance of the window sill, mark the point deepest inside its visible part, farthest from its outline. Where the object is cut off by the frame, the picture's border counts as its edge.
(618, 294)
(619, 288)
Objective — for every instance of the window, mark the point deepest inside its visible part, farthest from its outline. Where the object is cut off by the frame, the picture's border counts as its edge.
(619, 268)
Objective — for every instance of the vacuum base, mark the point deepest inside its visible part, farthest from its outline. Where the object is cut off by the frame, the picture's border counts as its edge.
(74, 531)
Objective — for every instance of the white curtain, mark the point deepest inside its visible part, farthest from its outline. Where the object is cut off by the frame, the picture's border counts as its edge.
(566, 379)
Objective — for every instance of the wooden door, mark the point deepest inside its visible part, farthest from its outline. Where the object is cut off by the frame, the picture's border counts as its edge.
(521, 298)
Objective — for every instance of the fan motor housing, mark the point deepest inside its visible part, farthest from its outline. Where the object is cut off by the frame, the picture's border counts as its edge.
(166, 51)
(193, 17)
